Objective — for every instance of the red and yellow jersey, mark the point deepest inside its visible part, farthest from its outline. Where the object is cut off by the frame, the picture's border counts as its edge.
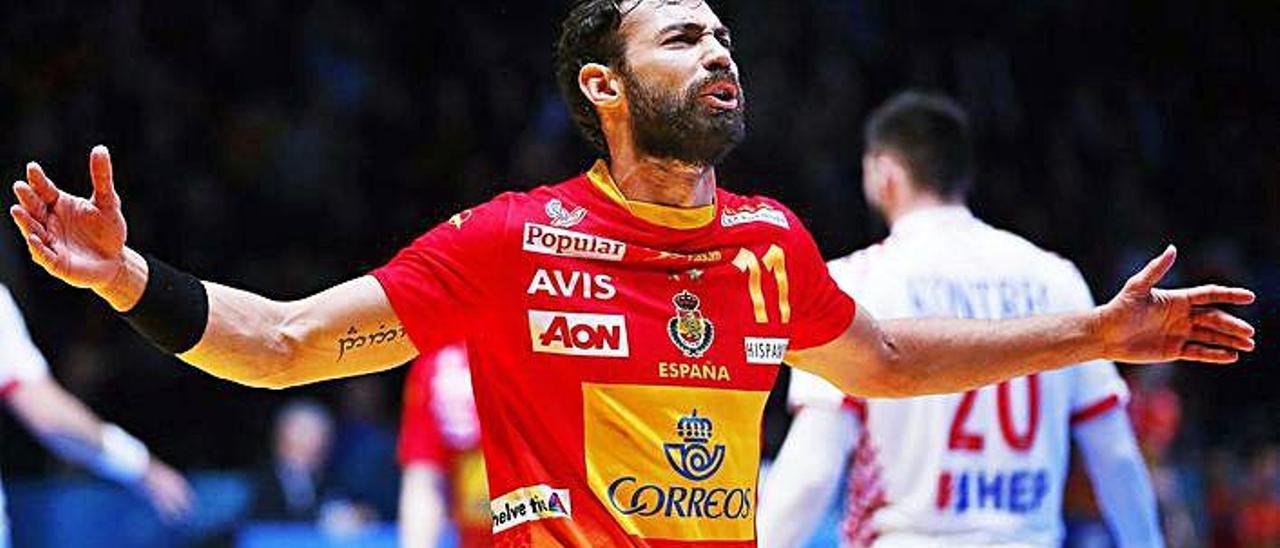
(621, 353)
(440, 428)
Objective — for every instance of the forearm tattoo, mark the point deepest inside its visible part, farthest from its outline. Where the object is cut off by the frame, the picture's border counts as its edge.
(354, 340)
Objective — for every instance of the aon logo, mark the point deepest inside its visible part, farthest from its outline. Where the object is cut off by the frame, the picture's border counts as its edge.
(567, 333)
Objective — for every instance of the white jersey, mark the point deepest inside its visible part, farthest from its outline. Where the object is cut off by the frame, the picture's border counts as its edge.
(980, 468)
(20, 362)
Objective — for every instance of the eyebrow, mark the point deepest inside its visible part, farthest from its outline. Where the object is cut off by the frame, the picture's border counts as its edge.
(719, 31)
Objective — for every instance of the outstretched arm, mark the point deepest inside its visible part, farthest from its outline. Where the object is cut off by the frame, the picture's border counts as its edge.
(64, 425)
(347, 330)
(1142, 324)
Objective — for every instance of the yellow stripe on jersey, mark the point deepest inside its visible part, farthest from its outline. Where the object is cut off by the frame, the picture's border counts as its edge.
(670, 217)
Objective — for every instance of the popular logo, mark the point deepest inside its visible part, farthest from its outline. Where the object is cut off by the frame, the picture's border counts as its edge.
(761, 213)
(689, 330)
(693, 458)
(548, 240)
(563, 218)
(566, 333)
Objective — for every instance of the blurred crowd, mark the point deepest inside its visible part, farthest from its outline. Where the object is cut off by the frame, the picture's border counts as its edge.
(283, 146)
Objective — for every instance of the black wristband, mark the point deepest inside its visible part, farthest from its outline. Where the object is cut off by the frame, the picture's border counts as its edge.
(173, 310)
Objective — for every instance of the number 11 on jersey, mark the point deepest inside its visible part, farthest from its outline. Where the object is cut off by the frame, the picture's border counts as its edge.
(775, 261)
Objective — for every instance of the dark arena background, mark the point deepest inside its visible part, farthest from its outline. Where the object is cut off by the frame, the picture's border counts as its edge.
(284, 146)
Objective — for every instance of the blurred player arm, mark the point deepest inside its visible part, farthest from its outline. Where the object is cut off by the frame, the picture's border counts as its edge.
(422, 504)
(347, 330)
(69, 429)
(1142, 324)
(804, 479)
(1120, 479)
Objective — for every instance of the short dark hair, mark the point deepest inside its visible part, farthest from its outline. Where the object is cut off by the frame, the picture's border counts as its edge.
(588, 34)
(929, 132)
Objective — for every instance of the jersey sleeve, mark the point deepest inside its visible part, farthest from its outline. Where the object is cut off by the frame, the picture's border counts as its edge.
(439, 284)
(420, 438)
(821, 310)
(1096, 386)
(20, 360)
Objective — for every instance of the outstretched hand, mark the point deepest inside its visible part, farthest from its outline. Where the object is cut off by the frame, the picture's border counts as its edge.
(1143, 324)
(79, 241)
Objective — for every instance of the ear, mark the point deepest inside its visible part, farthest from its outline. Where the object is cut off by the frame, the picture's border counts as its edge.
(600, 85)
(893, 176)
(873, 177)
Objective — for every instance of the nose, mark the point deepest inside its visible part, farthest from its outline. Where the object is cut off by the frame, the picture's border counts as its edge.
(717, 56)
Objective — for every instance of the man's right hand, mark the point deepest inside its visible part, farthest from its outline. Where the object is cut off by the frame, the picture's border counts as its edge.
(80, 241)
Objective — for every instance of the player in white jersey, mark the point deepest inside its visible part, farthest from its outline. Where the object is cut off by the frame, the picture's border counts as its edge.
(64, 425)
(982, 468)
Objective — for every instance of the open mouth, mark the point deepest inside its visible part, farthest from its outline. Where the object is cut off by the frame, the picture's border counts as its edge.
(722, 95)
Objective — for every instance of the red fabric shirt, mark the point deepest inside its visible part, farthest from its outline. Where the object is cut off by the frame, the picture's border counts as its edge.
(621, 353)
(440, 428)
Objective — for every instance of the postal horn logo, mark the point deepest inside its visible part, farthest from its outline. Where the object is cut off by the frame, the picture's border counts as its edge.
(694, 458)
(689, 330)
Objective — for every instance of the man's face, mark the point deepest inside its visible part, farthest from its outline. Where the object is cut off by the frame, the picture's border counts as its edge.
(680, 81)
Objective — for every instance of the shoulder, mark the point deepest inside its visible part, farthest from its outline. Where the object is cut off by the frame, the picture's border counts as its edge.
(1025, 250)
(1059, 273)
(507, 208)
(859, 264)
(759, 213)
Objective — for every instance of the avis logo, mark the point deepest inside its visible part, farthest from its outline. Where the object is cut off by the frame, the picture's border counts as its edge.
(689, 330)
(693, 458)
(563, 218)
(571, 334)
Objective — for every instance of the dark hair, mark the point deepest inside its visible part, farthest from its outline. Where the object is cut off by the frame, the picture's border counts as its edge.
(588, 34)
(929, 133)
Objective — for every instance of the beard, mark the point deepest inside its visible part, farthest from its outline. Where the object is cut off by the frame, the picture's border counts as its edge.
(677, 126)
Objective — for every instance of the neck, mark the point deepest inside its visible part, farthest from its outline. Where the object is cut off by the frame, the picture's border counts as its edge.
(916, 203)
(661, 181)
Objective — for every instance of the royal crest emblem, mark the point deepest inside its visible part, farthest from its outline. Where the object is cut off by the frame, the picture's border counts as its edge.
(689, 330)
(562, 217)
(694, 458)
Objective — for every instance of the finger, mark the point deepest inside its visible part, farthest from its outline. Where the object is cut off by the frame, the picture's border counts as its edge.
(41, 253)
(27, 224)
(43, 186)
(1208, 354)
(1150, 275)
(104, 189)
(29, 200)
(1216, 294)
(1218, 338)
(1218, 320)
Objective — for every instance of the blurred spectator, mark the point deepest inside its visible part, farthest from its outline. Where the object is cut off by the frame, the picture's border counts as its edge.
(363, 462)
(296, 485)
(1258, 524)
